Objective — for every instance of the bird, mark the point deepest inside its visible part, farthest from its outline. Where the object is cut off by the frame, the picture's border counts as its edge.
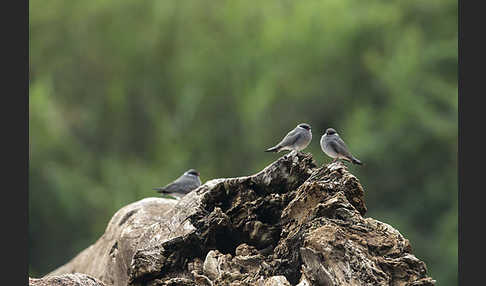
(295, 140)
(182, 185)
(333, 146)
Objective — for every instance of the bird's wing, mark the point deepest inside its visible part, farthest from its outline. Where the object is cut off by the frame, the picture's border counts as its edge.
(340, 147)
(185, 184)
(290, 138)
(172, 187)
(181, 185)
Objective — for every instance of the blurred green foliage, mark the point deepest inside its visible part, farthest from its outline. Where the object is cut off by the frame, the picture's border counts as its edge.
(127, 95)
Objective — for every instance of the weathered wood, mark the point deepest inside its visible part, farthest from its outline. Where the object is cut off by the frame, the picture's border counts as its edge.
(74, 279)
(292, 223)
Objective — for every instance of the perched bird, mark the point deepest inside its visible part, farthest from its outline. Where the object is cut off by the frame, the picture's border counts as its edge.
(295, 140)
(182, 185)
(335, 147)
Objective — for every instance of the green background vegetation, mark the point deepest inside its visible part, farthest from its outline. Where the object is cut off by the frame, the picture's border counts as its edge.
(127, 95)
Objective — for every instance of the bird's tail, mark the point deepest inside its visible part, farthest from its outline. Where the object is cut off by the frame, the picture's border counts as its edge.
(273, 149)
(160, 190)
(356, 161)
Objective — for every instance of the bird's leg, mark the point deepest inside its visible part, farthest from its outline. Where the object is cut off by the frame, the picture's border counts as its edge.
(286, 156)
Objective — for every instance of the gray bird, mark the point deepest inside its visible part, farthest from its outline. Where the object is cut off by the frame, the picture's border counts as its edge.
(182, 185)
(295, 140)
(335, 147)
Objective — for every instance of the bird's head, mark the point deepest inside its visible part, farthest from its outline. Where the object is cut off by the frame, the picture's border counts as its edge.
(192, 172)
(305, 126)
(330, 131)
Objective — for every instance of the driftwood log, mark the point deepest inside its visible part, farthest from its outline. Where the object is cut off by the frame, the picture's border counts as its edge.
(293, 223)
(74, 279)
